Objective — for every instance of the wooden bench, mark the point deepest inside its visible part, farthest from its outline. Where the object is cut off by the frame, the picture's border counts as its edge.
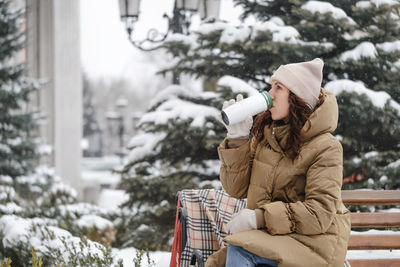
(368, 220)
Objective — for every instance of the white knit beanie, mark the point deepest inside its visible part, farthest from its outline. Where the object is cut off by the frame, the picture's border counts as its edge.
(303, 79)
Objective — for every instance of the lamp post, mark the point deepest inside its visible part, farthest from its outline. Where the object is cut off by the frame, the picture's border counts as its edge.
(179, 23)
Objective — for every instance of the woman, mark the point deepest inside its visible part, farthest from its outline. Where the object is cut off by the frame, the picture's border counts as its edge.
(291, 174)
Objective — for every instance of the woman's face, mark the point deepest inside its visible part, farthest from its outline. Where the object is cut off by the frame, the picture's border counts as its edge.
(280, 98)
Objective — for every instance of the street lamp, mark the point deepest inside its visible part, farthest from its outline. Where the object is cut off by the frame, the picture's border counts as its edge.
(179, 23)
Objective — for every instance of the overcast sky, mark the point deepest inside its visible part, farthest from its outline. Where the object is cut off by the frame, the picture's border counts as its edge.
(106, 52)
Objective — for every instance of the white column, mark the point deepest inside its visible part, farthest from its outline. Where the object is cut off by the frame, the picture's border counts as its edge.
(53, 53)
(68, 91)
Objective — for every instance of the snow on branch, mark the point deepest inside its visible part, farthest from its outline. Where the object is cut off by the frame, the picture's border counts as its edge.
(389, 46)
(144, 144)
(237, 85)
(280, 32)
(365, 49)
(324, 8)
(377, 3)
(379, 99)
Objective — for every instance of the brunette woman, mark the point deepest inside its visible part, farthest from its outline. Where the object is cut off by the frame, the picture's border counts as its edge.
(290, 170)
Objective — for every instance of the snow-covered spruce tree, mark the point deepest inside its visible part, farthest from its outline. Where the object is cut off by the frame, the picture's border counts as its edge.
(17, 124)
(360, 44)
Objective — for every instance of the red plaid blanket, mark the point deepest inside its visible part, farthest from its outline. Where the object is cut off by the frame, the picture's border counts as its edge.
(208, 211)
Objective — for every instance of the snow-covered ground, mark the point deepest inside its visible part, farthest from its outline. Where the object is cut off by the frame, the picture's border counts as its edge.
(160, 258)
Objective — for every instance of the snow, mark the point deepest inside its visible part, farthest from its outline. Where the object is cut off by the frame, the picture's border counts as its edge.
(339, 137)
(372, 254)
(31, 179)
(180, 109)
(237, 85)
(395, 164)
(44, 149)
(280, 32)
(189, 40)
(15, 141)
(389, 46)
(379, 99)
(365, 49)
(324, 8)
(79, 209)
(160, 258)
(377, 232)
(383, 179)
(110, 199)
(232, 34)
(355, 35)
(143, 144)
(371, 154)
(58, 188)
(5, 149)
(356, 160)
(89, 221)
(206, 28)
(377, 3)
(5, 179)
(14, 229)
(9, 207)
(211, 167)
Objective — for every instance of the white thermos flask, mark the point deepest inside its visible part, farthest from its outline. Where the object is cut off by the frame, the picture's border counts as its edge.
(249, 106)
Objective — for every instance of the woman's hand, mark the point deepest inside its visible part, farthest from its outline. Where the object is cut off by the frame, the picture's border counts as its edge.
(240, 129)
(244, 220)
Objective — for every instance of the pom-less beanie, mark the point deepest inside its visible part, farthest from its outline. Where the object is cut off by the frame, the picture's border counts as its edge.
(303, 79)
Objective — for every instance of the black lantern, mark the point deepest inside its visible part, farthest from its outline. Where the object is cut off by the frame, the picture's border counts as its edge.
(179, 23)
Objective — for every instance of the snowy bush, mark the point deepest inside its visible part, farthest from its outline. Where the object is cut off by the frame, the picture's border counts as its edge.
(56, 226)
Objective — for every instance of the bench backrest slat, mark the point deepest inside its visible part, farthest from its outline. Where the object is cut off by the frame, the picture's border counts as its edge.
(371, 197)
(375, 220)
(362, 242)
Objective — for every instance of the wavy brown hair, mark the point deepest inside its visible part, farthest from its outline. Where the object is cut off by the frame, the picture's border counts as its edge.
(299, 113)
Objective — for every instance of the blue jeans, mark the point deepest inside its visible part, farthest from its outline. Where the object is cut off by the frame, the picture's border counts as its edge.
(239, 257)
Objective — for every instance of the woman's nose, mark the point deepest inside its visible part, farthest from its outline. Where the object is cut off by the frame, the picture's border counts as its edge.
(272, 94)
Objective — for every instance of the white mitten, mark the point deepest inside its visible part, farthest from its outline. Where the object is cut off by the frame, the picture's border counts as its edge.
(244, 220)
(240, 129)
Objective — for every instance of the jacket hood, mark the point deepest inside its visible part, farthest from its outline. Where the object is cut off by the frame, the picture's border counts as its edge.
(324, 119)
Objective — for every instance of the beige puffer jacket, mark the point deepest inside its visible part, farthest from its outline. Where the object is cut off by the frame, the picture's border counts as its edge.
(306, 221)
